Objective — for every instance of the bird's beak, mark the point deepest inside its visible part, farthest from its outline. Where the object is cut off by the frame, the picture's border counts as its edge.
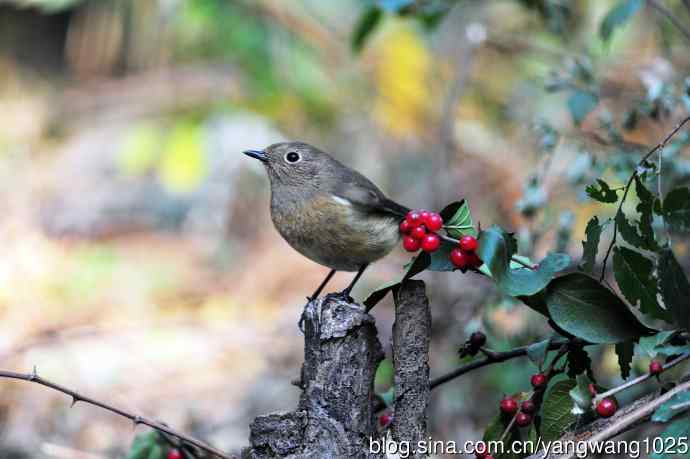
(257, 154)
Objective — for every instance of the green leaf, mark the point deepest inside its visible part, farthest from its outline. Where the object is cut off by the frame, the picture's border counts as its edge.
(580, 104)
(365, 26)
(537, 352)
(635, 277)
(156, 452)
(493, 433)
(645, 208)
(580, 395)
(670, 409)
(458, 220)
(590, 246)
(142, 445)
(678, 429)
(440, 260)
(583, 307)
(556, 411)
(629, 232)
(649, 344)
(602, 194)
(496, 248)
(676, 209)
(388, 397)
(625, 351)
(579, 362)
(675, 289)
(618, 16)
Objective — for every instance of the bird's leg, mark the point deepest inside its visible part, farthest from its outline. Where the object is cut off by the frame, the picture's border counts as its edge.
(314, 296)
(346, 293)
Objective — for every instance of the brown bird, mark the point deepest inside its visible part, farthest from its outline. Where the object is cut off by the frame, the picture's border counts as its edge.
(328, 212)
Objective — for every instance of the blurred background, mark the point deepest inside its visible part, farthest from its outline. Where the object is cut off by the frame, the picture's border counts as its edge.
(138, 262)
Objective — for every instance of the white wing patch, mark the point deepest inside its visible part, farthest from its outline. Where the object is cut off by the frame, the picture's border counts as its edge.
(341, 201)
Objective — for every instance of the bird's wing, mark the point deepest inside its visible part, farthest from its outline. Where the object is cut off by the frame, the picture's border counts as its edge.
(360, 191)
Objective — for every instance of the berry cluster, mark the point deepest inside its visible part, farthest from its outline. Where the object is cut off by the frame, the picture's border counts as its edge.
(464, 256)
(524, 412)
(419, 231)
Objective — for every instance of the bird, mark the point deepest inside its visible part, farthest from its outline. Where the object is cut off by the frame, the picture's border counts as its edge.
(327, 211)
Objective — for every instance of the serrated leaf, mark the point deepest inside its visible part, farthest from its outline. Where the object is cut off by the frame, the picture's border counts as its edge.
(676, 209)
(675, 289)
(496, 248)
(649, 344)
(583, 307)
(580, 395)
(537, 352)
(678, 429)
(603, 193)
(366, 24)
(458, 220)
(635, 277)
(645, 209)
(618, 16)
(581, 103)
(556, 413)
(670, 409)
(625, 351)
(590, 245)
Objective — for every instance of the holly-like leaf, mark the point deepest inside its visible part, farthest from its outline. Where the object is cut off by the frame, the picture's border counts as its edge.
(603, 193)
(583, 307)
(458, 220)
(590, 246)
(366, 25)
(645, 208)
(676, 209)
(580, 395)
(557, 408)
(670, 409)
(635, 277)
(496, 248)
(537, 352)
(649, 345)
(625, 351)
(581, 103)
(675, 289)
(618, 16)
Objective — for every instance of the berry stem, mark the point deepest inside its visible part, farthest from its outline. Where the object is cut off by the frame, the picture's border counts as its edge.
(637, 380)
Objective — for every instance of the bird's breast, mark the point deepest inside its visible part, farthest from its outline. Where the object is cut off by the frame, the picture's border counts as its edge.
(333, 232)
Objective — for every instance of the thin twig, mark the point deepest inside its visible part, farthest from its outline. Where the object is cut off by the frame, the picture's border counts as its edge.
(657, 148)
(76, 397)
(638, 380)
(671, 17)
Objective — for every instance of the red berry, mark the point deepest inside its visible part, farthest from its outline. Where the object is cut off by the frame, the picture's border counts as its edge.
(174, 454)
(473, 261)
(477, 339)
(509, 405)
(480, 450)
(418, 232)
(528, 407)
(468, 243)
(431, 242)
(459, 258)
(424, 214)
(606, 408)
(385, 419)
(489, 457)
(434, 222)
(414, 218)
(405, 227)
(538, 381)
(655, 368)
(523, 419)
(410, 244)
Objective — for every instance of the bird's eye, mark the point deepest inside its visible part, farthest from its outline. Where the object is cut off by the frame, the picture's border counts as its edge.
(292, 157)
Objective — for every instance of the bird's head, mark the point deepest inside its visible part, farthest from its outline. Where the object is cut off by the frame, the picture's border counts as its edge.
(292, 163)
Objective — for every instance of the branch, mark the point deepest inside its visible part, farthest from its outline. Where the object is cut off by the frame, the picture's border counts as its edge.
(658, 148)
(76, 397)
(661, 8)
(411, 337)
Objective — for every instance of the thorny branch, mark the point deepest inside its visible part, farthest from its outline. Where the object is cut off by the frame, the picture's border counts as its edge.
(658, 148)
(137, 420)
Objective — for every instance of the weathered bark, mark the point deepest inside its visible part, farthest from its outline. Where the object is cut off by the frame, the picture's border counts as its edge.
(411, 336)
(335, 415)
